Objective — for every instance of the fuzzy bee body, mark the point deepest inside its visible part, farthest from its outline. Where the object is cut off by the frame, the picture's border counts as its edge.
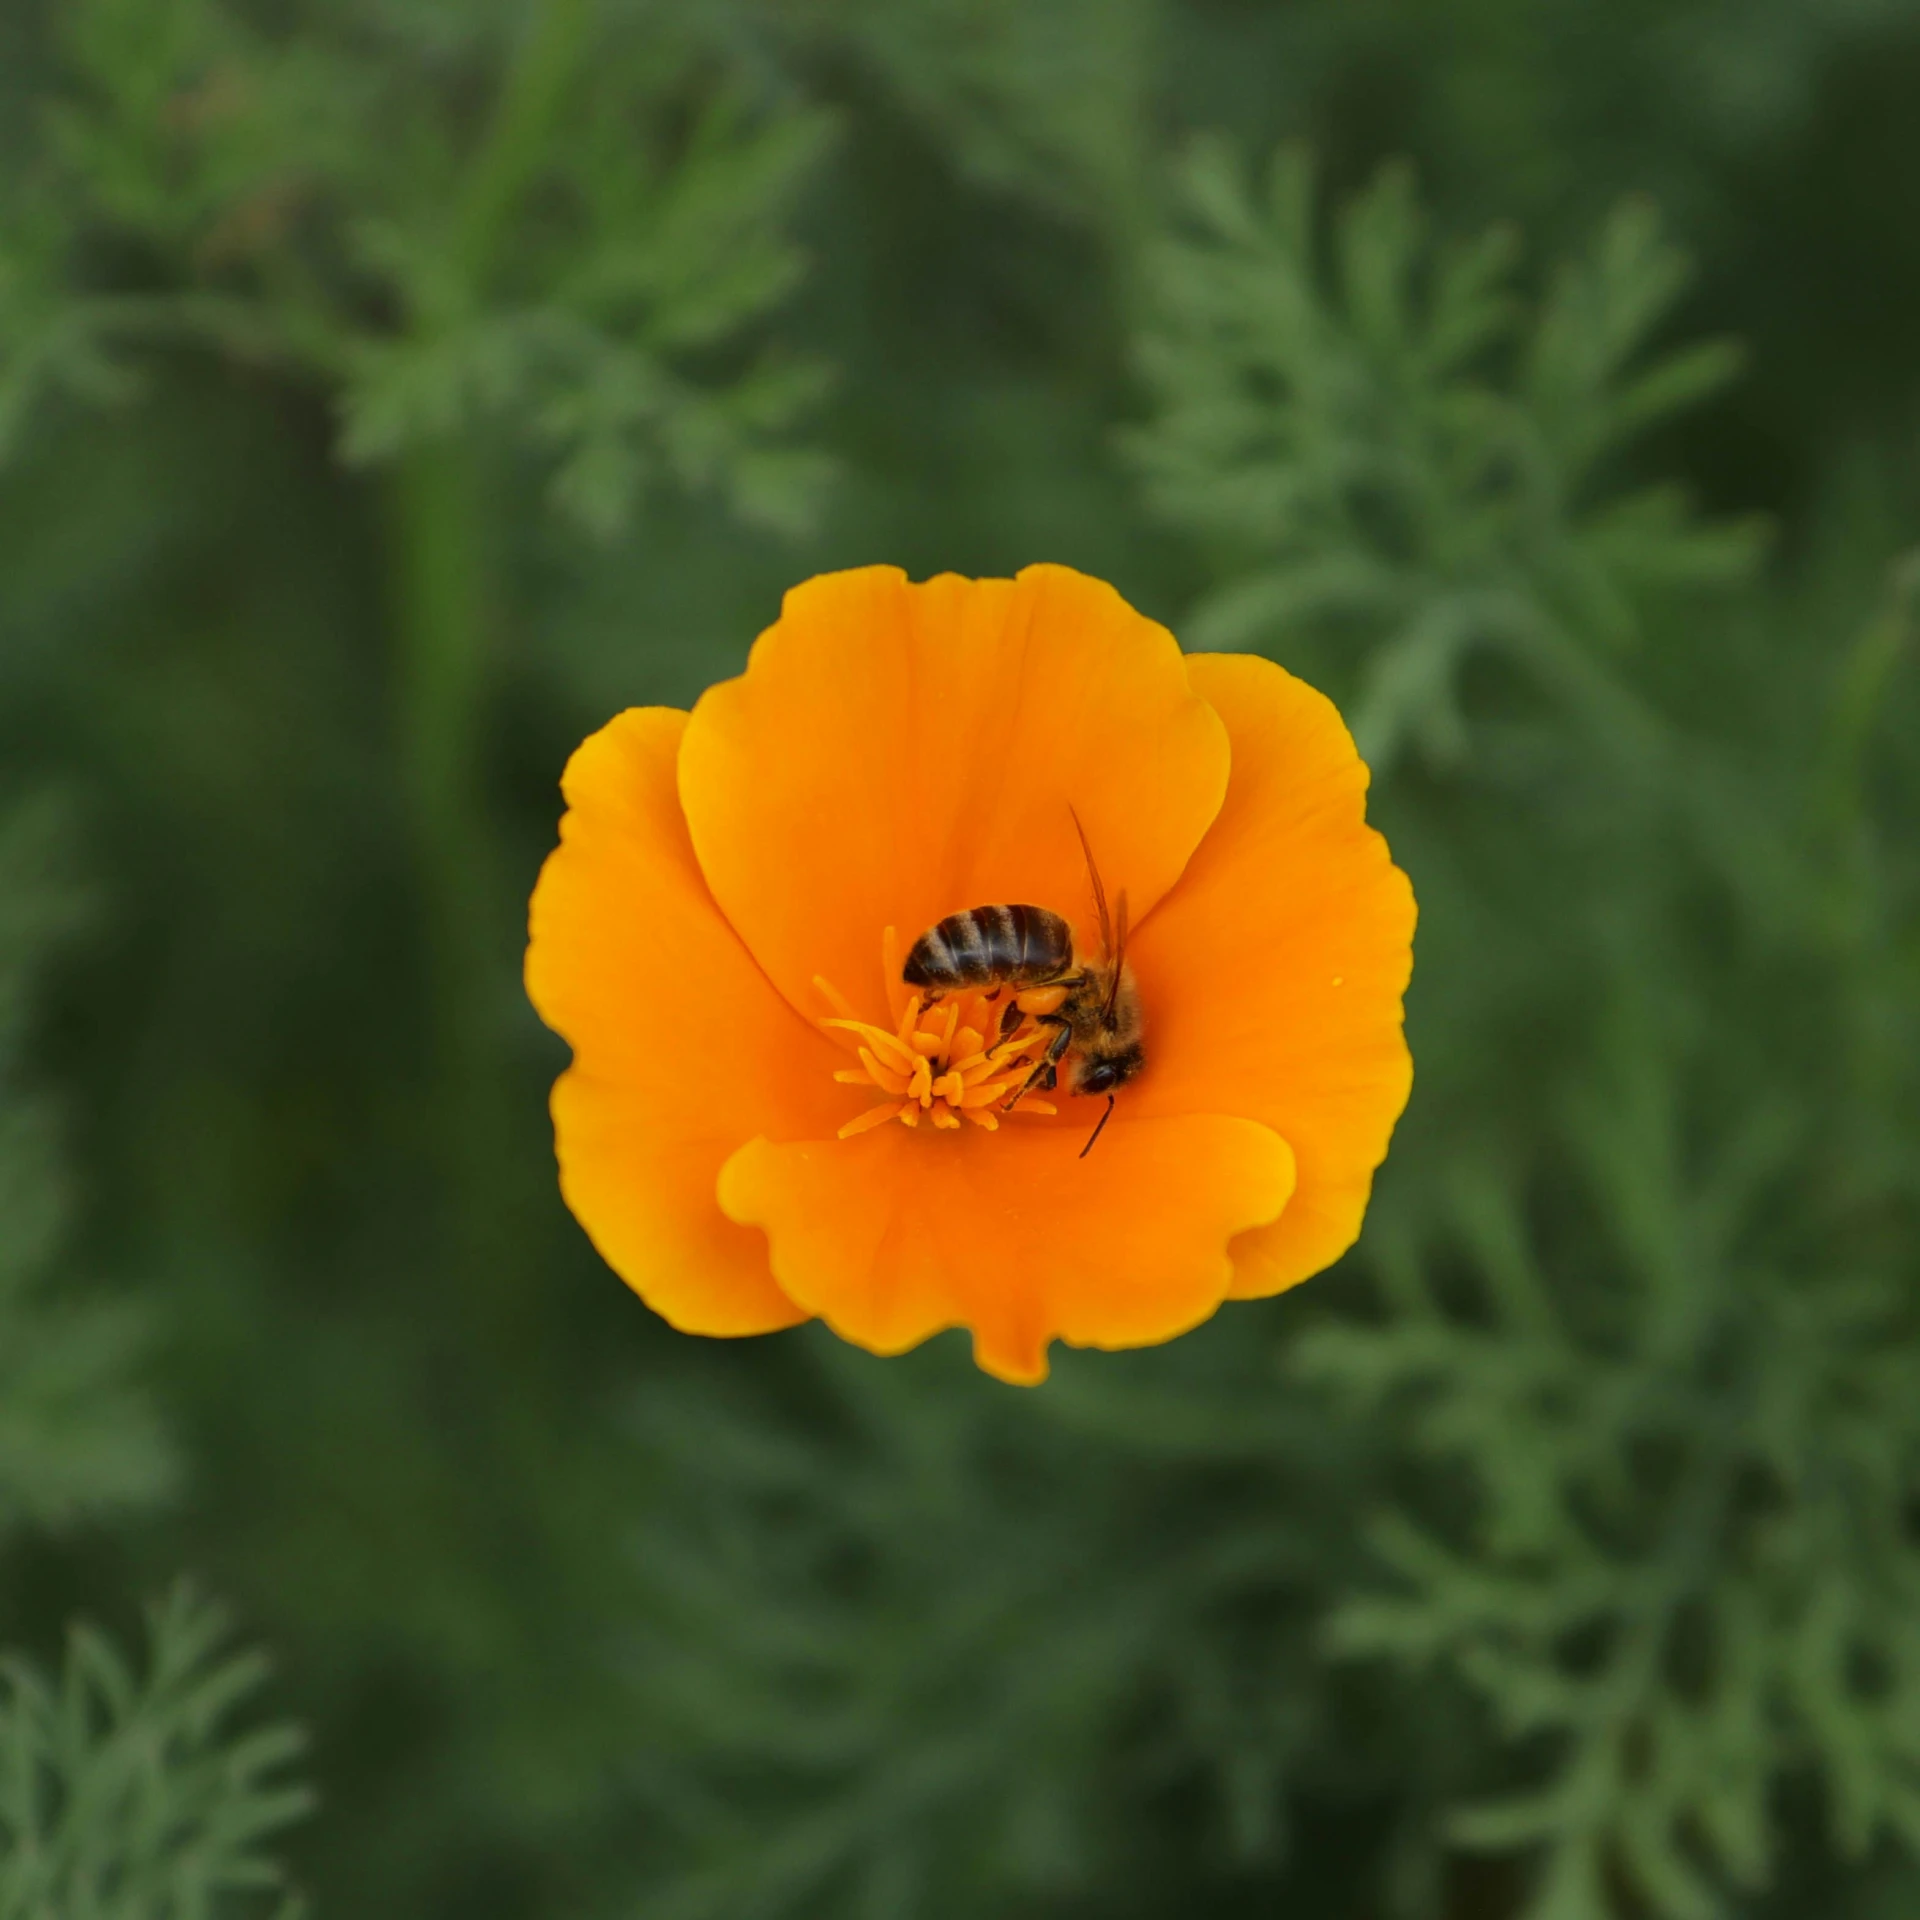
(1102, 1037)
(991, 946)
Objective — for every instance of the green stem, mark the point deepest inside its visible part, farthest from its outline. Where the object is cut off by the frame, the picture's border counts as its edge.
(531, 99)
(441, 596)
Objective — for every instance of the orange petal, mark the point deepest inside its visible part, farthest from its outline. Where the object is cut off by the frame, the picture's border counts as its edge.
(681, 1048)
(895, 753)
(894, 1235)
(1271, 977)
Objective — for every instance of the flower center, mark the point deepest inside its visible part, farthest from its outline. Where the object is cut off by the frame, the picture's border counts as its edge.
(962, 1056)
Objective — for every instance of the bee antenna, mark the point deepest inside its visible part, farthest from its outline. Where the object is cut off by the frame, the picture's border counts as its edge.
(1099, 1128)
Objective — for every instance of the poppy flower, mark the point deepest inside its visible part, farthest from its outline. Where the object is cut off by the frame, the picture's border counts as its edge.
(764, 1122)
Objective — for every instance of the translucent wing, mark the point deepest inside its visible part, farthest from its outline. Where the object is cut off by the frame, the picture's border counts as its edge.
(1099, 892)
(1118, 952)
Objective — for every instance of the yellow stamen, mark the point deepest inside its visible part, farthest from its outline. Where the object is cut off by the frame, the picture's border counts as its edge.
(948, 1058)
(833, 997)
(999, 1060)
(1024, 1041)
(895, 1051)
(873, 1117)
(990, 1092)
(883, 1077)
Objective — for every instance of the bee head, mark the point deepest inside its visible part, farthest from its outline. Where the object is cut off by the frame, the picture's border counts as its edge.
(1104, 1072)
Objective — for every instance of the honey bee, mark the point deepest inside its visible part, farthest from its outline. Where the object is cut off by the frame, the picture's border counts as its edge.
(1095, 1018)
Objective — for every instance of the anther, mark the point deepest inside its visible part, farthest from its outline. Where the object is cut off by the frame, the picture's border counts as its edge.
(958, 1056)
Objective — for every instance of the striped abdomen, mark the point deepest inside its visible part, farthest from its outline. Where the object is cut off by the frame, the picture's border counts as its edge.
(1021, 946)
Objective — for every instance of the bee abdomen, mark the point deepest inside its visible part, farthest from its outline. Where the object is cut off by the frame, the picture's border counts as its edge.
(1018, 945)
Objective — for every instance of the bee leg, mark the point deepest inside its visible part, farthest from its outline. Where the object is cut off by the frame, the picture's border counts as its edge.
(1046, 1072)
(1009, 1018)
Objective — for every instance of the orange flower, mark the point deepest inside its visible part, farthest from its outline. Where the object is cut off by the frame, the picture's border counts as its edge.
(763, 1122)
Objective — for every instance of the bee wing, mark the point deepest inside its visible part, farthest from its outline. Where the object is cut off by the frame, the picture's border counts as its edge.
(1099, 892)
(1119, 962)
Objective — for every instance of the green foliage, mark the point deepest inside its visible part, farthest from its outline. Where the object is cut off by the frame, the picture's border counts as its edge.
(917, 1663)
(1650, 1333)
(575, 268)
(129, 1795)
(1555, 1557)
(1389, 459)
(77, 1435)
(1690, 1574)
(122, 1796)
(1042, 103)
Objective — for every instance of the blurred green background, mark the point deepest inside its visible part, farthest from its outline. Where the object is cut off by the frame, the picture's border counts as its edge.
(390, 390)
